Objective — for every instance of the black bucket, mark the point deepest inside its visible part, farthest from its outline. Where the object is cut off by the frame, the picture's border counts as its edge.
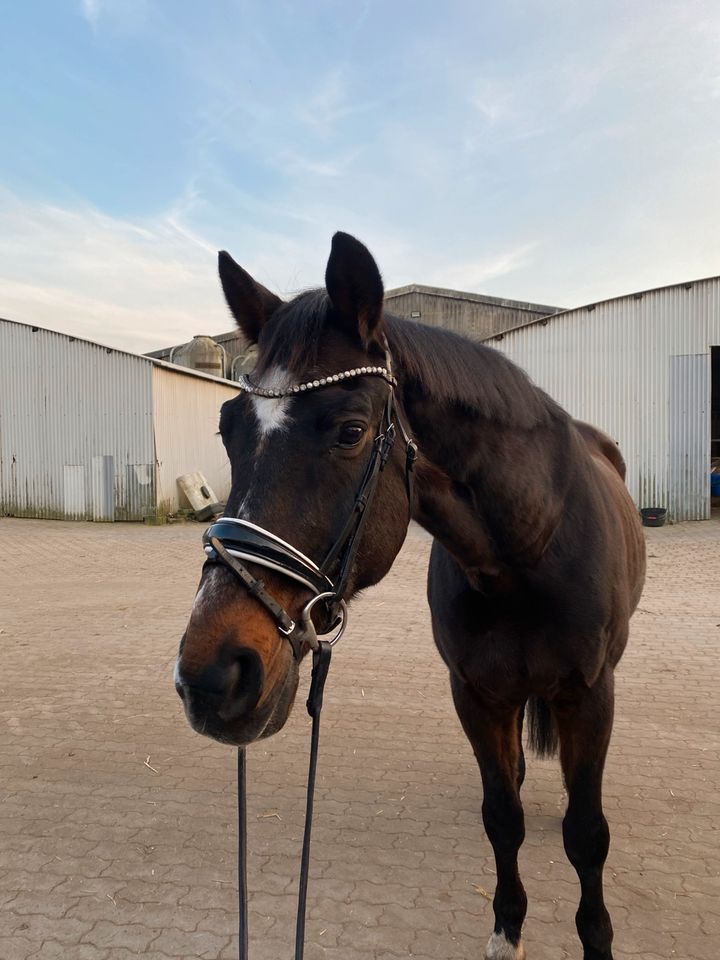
(653, 516)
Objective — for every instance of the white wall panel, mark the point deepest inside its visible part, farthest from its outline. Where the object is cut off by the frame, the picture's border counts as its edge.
(609, 364)
(186, 410)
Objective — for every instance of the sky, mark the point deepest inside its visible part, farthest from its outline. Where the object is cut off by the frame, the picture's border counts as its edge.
(556, 151)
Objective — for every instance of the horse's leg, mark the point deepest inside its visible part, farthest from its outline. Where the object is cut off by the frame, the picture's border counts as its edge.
(493, 734)
(585, 724)
(521, 752)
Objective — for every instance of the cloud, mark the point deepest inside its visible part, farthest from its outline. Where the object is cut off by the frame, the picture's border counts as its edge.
(490, 99)
(120, 16)
(295, 165)
(328, 104)
(475, 274)
(140, 284)
(544, 168)
(91, 11)
(131, 284)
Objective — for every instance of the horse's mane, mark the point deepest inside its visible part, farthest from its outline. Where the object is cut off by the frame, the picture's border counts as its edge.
(450, 368)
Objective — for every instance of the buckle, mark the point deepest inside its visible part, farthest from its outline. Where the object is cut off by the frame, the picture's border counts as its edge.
(388, 439)
(309, 626)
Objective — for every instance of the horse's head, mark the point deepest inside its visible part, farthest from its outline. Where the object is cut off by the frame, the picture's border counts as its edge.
(298, 461)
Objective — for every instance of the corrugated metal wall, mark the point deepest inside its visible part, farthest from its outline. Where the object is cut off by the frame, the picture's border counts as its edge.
(610, 365)
(62, 402)
(66, 403)
(186, 410)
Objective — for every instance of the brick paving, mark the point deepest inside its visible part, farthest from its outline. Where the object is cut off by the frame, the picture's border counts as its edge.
(117, 835)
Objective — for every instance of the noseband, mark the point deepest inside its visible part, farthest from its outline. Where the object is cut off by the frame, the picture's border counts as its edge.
(230, 540)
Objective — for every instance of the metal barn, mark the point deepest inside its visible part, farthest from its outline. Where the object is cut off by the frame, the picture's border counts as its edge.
(90, 432)
(646, 369)
(472, 314)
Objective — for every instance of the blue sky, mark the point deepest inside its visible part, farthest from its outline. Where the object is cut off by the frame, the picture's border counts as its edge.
(560, 151)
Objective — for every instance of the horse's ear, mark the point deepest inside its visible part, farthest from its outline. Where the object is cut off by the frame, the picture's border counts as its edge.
(250, 303)
(355, 286)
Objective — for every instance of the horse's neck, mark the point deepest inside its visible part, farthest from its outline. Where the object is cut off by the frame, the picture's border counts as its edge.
(491, 493)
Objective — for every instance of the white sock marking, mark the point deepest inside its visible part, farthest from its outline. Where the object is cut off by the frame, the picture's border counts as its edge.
(500, 948)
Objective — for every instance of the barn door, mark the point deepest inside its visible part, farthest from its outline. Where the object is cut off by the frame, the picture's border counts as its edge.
(690, 437)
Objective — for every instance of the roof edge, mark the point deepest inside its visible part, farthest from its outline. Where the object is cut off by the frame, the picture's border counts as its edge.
(636, 295)
(450, 294)
(155, 361)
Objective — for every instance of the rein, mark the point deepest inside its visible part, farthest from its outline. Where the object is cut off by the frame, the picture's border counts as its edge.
(230, 540)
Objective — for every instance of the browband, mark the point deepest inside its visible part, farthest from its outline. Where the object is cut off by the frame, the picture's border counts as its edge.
(246, 384)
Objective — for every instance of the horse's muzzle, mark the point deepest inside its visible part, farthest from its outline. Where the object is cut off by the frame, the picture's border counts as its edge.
(228, 700)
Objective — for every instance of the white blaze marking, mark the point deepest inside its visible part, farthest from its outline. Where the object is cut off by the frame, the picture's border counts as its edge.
(500, 948)
(210, 592)
(271, 413)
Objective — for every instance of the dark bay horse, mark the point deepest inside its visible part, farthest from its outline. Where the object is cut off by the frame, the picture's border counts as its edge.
(536, 567)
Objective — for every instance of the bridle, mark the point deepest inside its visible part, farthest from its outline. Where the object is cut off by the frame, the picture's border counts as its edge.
(230, 541)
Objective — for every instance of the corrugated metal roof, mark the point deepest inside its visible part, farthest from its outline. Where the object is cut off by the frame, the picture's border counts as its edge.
(593, 305)
(148, 358)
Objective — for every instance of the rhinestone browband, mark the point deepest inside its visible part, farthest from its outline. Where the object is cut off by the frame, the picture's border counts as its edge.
(245, 384)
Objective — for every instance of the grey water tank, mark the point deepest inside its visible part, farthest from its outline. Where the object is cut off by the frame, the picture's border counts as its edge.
(203, 354)
(244, 363)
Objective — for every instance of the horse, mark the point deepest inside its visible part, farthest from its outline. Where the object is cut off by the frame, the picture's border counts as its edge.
(537, 561)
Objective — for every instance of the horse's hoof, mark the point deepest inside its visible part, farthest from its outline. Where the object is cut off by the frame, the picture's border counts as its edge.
(500, 948)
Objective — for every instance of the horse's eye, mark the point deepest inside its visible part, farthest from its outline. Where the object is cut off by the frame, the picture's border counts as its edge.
(351, 434)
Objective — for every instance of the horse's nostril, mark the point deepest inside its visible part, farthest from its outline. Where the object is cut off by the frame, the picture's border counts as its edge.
(211, 681)
(230, 687)
(246, 677)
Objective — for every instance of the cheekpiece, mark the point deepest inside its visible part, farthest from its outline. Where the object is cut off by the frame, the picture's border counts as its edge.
(249, 387)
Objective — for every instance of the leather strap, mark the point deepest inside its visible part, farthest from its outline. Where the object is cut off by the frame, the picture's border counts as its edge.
(411, 450)
(347, 544)
(256, 588)
(242, 855)
(321, 666)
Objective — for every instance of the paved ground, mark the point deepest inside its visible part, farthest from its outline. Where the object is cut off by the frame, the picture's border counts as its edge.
(117, 831)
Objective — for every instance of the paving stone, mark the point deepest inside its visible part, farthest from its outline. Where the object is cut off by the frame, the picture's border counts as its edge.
(104, 858)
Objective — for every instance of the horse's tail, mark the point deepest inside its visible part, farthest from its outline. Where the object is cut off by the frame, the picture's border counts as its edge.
(542, 730)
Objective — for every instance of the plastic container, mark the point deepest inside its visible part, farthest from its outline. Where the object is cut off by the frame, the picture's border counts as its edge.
(653, 516)
(715, 484)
